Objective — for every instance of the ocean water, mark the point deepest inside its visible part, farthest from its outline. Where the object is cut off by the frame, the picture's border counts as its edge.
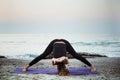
(27, 46)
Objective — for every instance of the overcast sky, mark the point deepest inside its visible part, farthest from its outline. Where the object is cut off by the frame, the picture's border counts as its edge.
(60, 16)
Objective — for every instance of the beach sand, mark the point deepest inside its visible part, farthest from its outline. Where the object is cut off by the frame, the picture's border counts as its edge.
(108, 68)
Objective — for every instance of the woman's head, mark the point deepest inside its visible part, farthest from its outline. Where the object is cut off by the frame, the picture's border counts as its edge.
(62, 70)
(60, 62)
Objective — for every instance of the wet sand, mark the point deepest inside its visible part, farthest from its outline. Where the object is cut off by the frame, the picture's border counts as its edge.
(108, 68)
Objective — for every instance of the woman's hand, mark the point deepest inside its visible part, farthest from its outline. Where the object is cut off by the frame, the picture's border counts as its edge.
(92, 68)
(61, 59)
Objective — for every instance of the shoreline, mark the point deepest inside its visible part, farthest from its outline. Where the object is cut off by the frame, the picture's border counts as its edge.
(83, 54)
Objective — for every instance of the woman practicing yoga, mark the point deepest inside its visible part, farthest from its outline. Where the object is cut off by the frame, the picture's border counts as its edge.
(59, 48)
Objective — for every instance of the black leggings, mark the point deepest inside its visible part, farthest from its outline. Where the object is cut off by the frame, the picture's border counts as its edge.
(50, 48)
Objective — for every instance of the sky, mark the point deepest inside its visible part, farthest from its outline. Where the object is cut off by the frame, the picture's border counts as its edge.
(59, 16)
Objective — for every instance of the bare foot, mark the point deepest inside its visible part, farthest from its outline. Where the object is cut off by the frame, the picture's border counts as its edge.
(93, 68)
(24, 70)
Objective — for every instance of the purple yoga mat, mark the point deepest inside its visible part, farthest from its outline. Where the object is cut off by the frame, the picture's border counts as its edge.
(73, 71)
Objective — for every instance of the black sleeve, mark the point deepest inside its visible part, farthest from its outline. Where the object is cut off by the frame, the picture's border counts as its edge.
(74, 54)
(47, 51)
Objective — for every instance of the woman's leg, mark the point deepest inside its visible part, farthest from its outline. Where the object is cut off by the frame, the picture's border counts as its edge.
(47, 51)
(74, 54)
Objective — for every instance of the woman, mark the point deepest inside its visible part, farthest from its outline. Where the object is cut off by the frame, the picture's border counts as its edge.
(59, 48)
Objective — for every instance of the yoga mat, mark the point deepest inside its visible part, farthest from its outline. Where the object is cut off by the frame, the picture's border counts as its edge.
(73, 71)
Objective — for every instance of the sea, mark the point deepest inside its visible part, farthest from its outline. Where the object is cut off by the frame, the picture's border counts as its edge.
(28, 46)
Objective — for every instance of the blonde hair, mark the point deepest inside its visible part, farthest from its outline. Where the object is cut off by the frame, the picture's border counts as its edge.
(62, 70)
